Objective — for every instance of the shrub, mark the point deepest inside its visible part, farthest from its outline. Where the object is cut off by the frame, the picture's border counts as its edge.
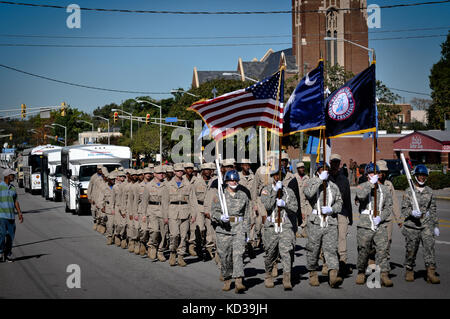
(400, 182)
(436, 180)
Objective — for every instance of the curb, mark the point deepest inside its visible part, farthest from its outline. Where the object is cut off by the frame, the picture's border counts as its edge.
(442, 197)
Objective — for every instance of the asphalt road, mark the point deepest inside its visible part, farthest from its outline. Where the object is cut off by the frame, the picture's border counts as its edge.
(50, 240)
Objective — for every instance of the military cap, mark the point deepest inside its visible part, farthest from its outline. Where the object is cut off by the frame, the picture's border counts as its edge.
(121, 173)
(211, 165)
(151, 165)
(228, 162)
(120, 169)
(284, 156)
(300, 164)
(112, 175)
(188, 165)
(147, 170)
(159, 169)
(205, 166)
(178, 167)
(335, 157)
(382, 165)
(99, 166)
(105, 171)
(245, 161)
(169, 168)
(133, 172)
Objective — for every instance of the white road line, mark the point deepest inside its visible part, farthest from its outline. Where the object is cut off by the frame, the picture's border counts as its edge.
(442, 242)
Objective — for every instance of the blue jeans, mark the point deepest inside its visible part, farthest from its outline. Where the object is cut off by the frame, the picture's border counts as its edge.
(7, 229)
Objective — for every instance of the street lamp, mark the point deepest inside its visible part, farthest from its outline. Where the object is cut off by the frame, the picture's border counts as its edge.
(92, 124)
(183, 92)
(65, 131)
(107, 120)
(160, 119)
(237, 74)
(131, 120)
(356, 44)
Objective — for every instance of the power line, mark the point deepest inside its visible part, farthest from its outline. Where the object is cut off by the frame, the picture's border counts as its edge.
(219, 12)
(80, 85)
(208, 37)
(409, 91)
(189, 45)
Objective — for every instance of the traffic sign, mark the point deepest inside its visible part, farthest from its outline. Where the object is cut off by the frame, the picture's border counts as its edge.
(171, 119)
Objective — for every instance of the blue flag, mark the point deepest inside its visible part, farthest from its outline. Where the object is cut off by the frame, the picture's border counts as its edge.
(352, 108)
(304, 110)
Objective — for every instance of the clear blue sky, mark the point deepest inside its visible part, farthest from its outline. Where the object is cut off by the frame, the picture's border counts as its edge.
(402, 64)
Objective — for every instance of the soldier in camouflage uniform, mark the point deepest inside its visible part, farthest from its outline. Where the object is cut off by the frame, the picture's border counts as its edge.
(322, 230)
(372, 230)
(155, 203)
(420, 225)
(231, 230)
(120, 220)
(90, 194)
(107, 204)
(279, 242)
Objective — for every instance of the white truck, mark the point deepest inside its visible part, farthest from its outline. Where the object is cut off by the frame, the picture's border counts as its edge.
(32, 167)
(51, 175)
(79, 163)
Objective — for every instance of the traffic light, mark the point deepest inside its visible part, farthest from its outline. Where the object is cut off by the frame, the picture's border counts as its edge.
(10, 137)
(23, 110)
(63, 109)
(116, 115)
(147, 118)
(56, 138)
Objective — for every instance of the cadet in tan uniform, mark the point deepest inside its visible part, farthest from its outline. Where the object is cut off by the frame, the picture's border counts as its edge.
(169, 173)
(98, 195)
(306, 209)
(132, 220)
(152, 169)
(90, 194)
(139, 191)
(120, 220)
(155, 203)
(107, 204)
(288, 176)
(206, 230)
(183, 206)
(194, 236)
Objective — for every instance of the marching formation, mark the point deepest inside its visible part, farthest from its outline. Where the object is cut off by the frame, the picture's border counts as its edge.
(171, 211)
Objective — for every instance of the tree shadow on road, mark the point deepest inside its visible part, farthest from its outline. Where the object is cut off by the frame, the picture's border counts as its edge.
(42, 210)
(50, 239)
(29, 257)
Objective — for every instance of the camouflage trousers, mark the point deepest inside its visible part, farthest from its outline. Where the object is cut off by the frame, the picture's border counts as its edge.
(143, 228)
(231, 252)
(325, 238)
(120, 224)
(413, 237)
(368, 240)
(278, 245)
(157, 232)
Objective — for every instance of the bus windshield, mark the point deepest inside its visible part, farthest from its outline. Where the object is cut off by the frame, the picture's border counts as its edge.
(86, 171)
(58, 171)
(35, 161)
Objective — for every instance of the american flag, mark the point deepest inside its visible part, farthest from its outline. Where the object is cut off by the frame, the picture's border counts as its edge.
(255, 105)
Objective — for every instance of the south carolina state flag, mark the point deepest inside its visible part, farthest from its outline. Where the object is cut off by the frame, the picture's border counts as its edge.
(352, 108)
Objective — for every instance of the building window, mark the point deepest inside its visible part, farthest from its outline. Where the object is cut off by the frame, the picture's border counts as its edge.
(331, 31)
(400, 118)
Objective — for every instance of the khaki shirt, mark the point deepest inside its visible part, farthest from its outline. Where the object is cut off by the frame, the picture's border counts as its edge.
(138, 194)
(396, 206)
(91, 185)
(129, 198)
(201, 188)
(108, 199)
(184, 194)
(155, 200)
(97, 192)
(118, 195)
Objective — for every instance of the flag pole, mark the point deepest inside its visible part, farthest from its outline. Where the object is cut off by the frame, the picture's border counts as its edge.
(324, 152)
(280, 143)
(374, 156)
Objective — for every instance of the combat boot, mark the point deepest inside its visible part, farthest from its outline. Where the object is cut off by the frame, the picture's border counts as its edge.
(116, 241)
(181, 261)
(172, 259)
(131, 246)
(109, 240)
(409, 274)
(123, 244)
(210, 252)
(431, 276)
(221, 277)
(268, 281)
(360, 278)
(152, 252)
(142, 250)
(334, 280)
(287, 281)
(136, 247)
(217, 258)
(275, 270)
(227, 285)
(313, 279)
(94, 227)
(325, 270)
(385, 281)
(161, 257)
(102, 229)
(239, 286)
(192, 251)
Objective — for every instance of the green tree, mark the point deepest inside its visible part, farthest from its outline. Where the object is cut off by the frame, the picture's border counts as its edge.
(387, 110)
(335, 76)
(439, 110)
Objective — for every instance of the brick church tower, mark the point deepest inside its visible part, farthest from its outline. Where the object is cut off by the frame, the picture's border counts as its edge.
(309, 30)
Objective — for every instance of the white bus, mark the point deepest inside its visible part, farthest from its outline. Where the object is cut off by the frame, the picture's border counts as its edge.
(79, 163)
(32, 167)
(51, 175)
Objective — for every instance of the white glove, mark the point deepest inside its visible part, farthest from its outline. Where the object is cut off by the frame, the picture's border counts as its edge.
(436, 232)
(278, 186)
(377, 220)
(374, 179)
(281, 203)
(324, 175)
(225, 218)
(327, 210)
(247, 240)
(416, 213)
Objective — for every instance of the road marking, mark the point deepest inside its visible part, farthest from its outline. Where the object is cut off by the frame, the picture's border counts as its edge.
(442, 242)
(444, 221)
(448, 226)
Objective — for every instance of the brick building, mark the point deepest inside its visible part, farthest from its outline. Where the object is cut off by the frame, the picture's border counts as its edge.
(310, 28)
